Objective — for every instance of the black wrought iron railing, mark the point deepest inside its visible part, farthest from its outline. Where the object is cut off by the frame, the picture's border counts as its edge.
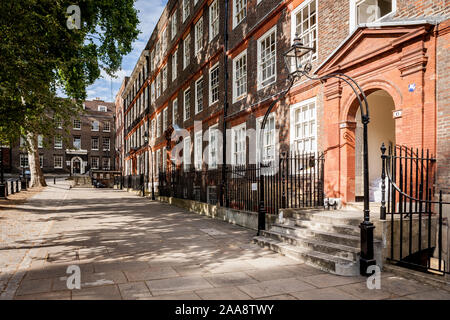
(407, 200)
(294, 181)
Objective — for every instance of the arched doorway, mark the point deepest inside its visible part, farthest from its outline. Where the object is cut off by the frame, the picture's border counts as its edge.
(380, 129)
(77, 166)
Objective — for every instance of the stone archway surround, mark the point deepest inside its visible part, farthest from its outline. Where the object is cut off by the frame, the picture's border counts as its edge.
(82, 167)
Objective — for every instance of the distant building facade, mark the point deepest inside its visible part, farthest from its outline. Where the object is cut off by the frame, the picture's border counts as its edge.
(89, 145)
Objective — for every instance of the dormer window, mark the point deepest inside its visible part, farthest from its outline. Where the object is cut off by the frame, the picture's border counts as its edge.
(102, 108)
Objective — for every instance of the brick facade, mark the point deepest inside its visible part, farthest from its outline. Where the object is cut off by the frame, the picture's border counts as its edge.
(119, 127)
(443, 108)
(49, 151)
(400, 52)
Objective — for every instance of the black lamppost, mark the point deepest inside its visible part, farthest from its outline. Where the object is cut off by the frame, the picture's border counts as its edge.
(2, 181)
(148, 163)
(23, 181)
(297, 60)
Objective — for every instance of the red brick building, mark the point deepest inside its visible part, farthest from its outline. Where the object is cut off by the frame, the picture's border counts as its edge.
(119, 128)
(192, 69)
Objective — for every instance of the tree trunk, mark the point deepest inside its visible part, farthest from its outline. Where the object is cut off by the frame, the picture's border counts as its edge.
(37, 176)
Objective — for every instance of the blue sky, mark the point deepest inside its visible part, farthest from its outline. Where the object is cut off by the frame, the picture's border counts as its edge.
(149, 13)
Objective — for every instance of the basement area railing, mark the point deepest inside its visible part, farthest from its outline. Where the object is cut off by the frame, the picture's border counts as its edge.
(416, 222)
(294, 181)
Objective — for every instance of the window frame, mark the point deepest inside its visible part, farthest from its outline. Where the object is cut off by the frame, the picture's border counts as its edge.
(185, 118)
(174, 111)
(294, 25)
(235, 13)
(158, 125)
(93, 128)
(293, 123)
(54, 162)
(259, 70)
(187, 141)
(164, 78)
(239, 57)
(59, 139)
(40, 140)
(242, 152)
(197, 97)
(198, 150)
(213, 130)
(164, 118)
(261, 146)
(92, 162)
(103, 143)
(213, 22)
(103, 163)
(24, 157)
(73, 144)
(198, 36)
(186, 10)
(353, 19)
(186, 51)
(106, 128)
(77, 121)
(174, 65)
(211, 70)
(92, 143)
(173, 24)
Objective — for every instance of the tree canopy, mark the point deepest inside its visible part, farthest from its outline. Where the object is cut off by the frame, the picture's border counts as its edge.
(40, 56)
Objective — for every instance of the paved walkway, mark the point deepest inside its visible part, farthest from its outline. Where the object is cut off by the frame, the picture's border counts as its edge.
(132, 248)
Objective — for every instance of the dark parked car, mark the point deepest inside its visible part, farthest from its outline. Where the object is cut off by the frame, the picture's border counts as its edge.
(98, 184)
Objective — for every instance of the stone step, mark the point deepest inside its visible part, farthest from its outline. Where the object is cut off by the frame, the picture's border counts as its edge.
(333, 217)
(343, 239)
(359, 206)
(336, 250)
(319, 260)
(327, 227)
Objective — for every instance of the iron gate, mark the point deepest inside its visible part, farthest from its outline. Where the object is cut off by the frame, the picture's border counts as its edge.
(416, 222)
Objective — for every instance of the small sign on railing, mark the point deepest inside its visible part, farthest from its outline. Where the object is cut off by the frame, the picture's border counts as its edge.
(254, 186)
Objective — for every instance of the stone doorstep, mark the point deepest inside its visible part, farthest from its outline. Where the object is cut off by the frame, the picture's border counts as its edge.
(319, 260)
(336, 249)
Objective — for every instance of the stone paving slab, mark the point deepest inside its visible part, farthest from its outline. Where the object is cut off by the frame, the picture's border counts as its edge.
(275, 287)
(134, 291)
(132, 248)
(227, 293)
(230, 279)
(330, 293)
(151, 274)
(174, 285)
(97, 293)
(330, 280)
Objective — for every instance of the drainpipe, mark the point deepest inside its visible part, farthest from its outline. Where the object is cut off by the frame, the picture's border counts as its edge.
(225, 111)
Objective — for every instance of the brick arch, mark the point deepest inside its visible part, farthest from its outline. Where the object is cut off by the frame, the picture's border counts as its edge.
(351, 105)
